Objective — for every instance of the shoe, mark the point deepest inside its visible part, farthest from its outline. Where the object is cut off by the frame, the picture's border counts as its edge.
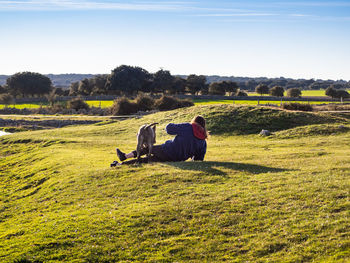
(114, 164)
(121, 155)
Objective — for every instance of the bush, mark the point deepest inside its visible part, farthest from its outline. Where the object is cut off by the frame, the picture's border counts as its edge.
(294, 92)
(297, 106)
(241, 93)
(331, 92)
(262, 89)
(144, 102)
(170, 103)
(277, 91)
(78, 104)
(166, 103)
(2, 90)
(6, 99)
(58, 107)
(123, 106)
(185, 103)
(216, 88)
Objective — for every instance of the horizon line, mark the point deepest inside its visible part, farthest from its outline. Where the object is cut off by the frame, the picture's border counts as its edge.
(207, 75)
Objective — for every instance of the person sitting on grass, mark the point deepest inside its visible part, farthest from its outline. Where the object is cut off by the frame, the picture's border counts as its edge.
(189, 142)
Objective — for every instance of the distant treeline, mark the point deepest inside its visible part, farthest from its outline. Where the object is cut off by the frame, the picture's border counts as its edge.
(246, 83)
(129, 80)
(58, 80)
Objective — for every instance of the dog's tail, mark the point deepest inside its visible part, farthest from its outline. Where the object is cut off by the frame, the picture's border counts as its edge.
(150, 125)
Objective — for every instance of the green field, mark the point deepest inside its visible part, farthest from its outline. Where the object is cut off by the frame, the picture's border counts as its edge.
(311, 93)
(315, 93)
(105, 104)
(91, 103)
(101, 104)
(284, 198)
(253, 102)
(25, 105)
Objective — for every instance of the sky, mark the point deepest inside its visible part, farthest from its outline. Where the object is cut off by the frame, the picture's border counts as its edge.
(251, 38)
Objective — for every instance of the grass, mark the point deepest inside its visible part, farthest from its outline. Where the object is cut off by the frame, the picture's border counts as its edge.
(91, 103)
(311, 93)
(109, 103)
(25, 105)
(101, 104)
(284, 198)
(254, 102)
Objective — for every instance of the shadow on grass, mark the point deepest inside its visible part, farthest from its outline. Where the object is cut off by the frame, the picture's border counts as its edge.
(211, 167)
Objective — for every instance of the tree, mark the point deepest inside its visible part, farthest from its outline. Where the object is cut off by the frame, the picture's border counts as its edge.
(6, 99)
(342, 94)
(262, 89)
(98, 84)
(251, 84)
(319, 85)
(331, 92)
(162, 81)
(230, 86)
(178, 85)
(51, 97)
(217, 88)
(89, 86)
(277, 91)
(2, 89)
(294, 93)
(220, 88)
(84, 87)
(28, 83)
(73, 90)
(338, 86)
(127, 79)
(59, 91)
(195, 83)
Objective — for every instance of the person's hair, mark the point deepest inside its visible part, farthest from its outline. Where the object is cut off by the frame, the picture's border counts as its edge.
(201, 121)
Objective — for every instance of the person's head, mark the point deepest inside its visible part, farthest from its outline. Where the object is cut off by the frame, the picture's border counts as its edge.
(201, 122)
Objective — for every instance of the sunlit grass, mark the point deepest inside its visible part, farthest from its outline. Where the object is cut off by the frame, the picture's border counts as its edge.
(26, 105)
(109, 103)
(94, 103)
(100, 104)
(315, 93)
(279, 199)
(254, 102)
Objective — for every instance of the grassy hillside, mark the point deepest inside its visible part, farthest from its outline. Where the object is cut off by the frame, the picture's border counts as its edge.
(284, 198)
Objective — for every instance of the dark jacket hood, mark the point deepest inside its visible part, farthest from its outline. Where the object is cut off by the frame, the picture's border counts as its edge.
(198, 131)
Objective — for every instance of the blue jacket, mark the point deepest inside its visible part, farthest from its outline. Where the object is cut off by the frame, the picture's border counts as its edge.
(185, 144)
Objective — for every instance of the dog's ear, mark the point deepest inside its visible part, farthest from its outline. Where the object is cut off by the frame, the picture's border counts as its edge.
(152, 124)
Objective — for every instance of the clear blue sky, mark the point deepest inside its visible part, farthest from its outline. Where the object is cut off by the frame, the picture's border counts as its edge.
(298, 39)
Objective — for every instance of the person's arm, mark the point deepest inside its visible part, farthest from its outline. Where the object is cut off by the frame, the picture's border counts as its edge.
(200, 155)
(175, 129)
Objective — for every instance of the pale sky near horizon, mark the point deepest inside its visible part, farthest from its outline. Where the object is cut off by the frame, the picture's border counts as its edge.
(296, 38)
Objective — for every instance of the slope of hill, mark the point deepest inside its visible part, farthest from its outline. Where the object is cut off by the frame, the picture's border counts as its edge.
(254, 199)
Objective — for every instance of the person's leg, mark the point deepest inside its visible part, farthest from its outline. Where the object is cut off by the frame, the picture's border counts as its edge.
(133, 161)
(157, 155)
(123, 156)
